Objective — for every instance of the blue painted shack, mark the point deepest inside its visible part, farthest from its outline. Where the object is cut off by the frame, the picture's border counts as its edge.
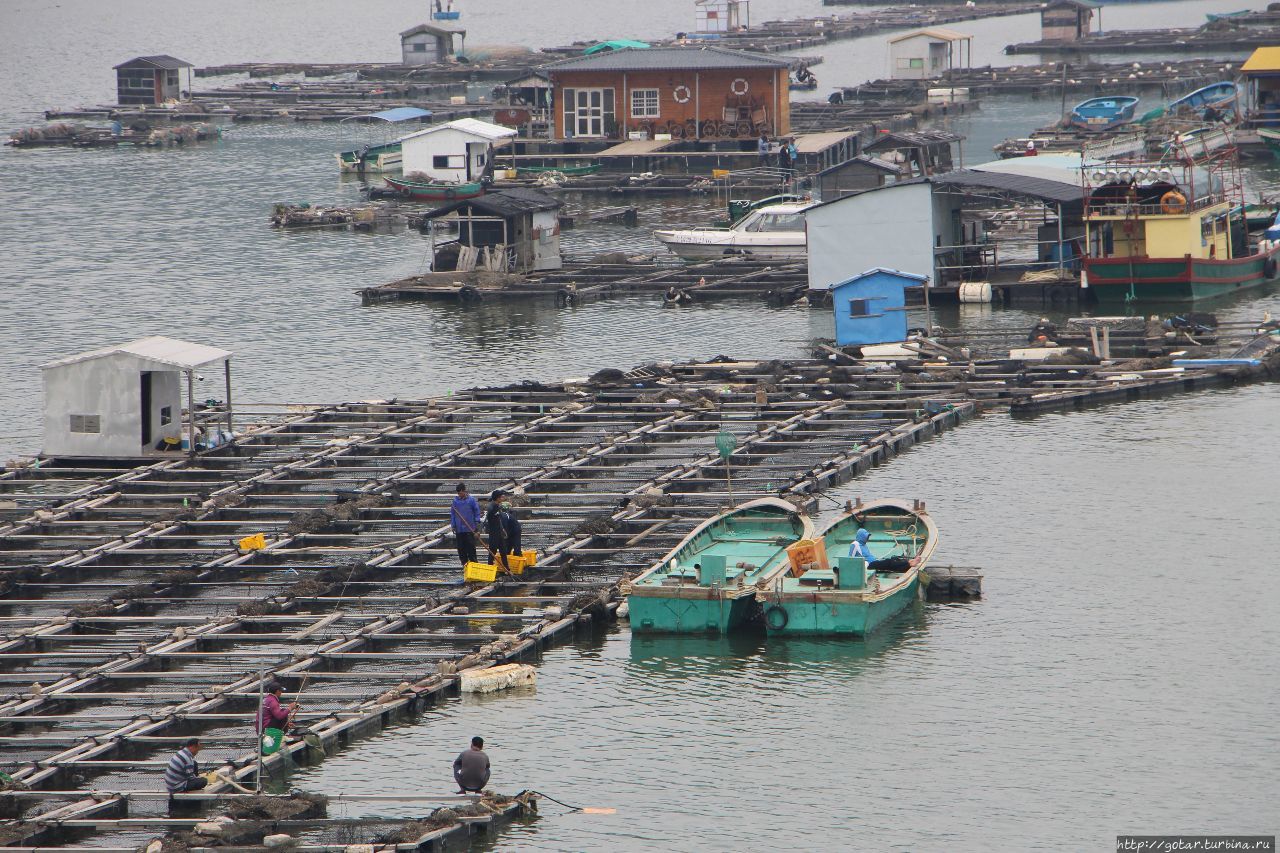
(871, 307)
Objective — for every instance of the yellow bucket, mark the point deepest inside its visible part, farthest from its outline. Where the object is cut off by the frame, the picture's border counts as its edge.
(530, 559)
(515, 564)
(479, 572)
(256, 542)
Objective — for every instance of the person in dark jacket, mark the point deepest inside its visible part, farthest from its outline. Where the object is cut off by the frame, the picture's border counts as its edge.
(471, 768)
(513, 529)
(464, 518)
(496, 520)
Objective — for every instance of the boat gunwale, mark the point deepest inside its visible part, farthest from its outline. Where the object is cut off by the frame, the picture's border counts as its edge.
(775, 594)
(697, 591)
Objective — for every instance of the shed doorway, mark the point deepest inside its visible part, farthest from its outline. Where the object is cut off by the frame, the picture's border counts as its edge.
(146, 408)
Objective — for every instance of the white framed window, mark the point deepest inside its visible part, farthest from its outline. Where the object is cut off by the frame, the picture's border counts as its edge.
(644, 103)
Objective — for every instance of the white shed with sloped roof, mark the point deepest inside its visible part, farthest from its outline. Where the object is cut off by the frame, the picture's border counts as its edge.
(125, 402)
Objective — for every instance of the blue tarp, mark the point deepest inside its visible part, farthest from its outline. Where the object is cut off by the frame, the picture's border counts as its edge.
(397, 114)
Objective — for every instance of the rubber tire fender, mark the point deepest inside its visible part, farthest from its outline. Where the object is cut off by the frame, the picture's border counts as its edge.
(1269, 267)
(773, 621)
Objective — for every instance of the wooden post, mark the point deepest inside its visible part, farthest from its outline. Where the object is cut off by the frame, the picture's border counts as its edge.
(226, 369)
(191, 412)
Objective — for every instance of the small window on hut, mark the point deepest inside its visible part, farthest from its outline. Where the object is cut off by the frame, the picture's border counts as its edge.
(86, 423)
(644, 103)
(917, 63)
(449, 161)
(166, 415)
(859, 308)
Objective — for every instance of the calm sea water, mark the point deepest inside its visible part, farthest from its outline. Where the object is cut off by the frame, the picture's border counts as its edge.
(1119, 677)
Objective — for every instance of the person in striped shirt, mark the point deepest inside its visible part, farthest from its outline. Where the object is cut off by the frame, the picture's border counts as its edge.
(183, 773)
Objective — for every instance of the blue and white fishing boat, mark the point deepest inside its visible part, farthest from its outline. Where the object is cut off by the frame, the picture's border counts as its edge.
(1103, 113)
(1217, 95)
(380, 156)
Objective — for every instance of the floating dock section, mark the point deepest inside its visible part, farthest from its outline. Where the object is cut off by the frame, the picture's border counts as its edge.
(140, 607)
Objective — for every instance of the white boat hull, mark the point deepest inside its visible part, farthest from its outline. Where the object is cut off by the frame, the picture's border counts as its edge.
(704, 245)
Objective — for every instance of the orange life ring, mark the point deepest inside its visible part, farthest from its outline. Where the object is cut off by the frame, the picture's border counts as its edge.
(1173, 202)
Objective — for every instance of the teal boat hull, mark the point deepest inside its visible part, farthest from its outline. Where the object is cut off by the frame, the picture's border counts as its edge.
(661, 615)
(828, 617)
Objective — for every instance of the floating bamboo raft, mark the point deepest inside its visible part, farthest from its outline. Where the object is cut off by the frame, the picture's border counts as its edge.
(133, 618)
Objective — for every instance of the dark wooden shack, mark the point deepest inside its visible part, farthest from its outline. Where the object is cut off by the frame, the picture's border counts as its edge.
(855, 175)
(151, 80)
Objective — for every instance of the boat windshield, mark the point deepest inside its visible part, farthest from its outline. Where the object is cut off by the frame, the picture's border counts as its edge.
(777, 222)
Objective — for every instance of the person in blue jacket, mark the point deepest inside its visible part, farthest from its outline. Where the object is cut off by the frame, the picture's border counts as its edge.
(859, 548)
(464, 518)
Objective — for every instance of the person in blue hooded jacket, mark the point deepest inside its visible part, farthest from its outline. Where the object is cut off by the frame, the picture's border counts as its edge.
(859, 548)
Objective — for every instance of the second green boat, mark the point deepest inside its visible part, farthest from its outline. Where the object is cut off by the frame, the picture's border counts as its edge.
(707, 583)
(832, 593)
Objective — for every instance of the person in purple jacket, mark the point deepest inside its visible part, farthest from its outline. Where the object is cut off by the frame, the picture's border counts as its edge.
(464, 518)
(272, 714)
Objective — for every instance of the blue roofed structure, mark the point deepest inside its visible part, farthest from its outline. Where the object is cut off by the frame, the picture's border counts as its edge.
(871, 307)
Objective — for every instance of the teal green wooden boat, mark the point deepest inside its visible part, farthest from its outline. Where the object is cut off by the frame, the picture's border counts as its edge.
(852, 600)
(708, 582)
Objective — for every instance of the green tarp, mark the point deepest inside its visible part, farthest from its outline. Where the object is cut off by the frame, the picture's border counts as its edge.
(616, 44)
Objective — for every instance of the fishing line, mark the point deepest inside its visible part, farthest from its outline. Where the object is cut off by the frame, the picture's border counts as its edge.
(583, 809)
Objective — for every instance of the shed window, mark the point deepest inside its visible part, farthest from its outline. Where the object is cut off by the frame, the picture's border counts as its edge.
(917, 63)
(859, 307)
(86, 423)
(449, 161)
(166, 415)
(418, 47)
(644, 103)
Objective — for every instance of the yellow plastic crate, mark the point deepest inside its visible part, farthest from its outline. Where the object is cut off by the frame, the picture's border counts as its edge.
(719, 173)
(530, 559)
(256, 542)
(480, 572)
(515, 564)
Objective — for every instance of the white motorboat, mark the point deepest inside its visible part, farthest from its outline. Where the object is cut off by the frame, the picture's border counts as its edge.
(775, 231)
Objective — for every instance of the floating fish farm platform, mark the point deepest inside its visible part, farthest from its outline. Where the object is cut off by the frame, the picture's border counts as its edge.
(139, 607)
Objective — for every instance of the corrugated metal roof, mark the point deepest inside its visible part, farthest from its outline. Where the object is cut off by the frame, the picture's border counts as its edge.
(182, 355)
(438, 28)
(666, 58)
(940, 33)
(394, 114)
(1082, 4)
(473, 126)
(1262, 59)
(160, 60)
(814, 143)
(1058, 192)
(876, 270)
(866, 160)
(916, 138)
(503, 203)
